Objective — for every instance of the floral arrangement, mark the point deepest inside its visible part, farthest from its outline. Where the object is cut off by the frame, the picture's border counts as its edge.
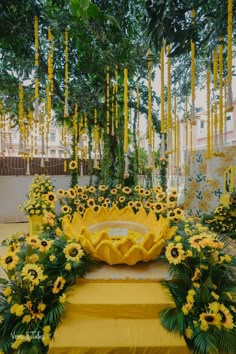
(79, 198)
(40, 197)
(223, 218)
(40, 270)
(203, 288)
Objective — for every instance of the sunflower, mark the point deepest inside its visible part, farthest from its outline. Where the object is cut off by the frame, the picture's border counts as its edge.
(96, 208)
(45, 245)
(101, 199)
(102, 188)
(171, 198)
(80, 208)
(51, 197)
(126, 190)
(197, 241)
(71, 193)
(91, 189)
(157, 189)
(138, 204)
(171, 215)
(227, 320)
(60, 193)
(118, 186)
(73, 165)
(147, 193)
(114, 191)
(175, 253)
(131, 204)
(9, 261)
(65, 209)
(79, 189)
(208, 318)
(90, 202)
(58, 285)
(84, 196)
(73, 252)
(158, 207)
(179, 212)
(137, 188)
(141, 191)
(76, 201)
(160, 196)
(33, 273)
(121, 199)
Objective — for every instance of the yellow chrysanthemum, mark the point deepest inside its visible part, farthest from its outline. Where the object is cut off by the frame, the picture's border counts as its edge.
(67, 266)
(26, 319)
(33, 273)
(73, 252)
(189, 332)
(175, 253)
(62, 298)
(58, 285)
(7, 291)
(9, 261)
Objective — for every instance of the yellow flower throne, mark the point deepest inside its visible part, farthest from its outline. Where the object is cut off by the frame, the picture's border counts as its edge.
(118, 236)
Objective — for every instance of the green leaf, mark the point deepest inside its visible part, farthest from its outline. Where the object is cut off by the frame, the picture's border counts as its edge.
(84, 4)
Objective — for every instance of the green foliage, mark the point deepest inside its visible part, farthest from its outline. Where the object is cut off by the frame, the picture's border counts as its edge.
(203, 288)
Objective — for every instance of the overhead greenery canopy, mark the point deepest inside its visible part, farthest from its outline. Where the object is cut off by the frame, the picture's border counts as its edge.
(101, 33)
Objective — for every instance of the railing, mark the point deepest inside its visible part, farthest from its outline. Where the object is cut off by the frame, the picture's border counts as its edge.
(17, 166)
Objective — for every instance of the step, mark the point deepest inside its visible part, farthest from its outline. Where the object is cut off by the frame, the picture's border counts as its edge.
(116, 336)
(118, 300)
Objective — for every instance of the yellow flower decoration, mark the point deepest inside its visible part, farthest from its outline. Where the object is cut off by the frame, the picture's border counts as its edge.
(17, 310)
(209, 319)
(73, 165)
(65, 209)
(45, 245)
(51, 197)
(175, 253)
(33, 241)
(9, 261)
(73, 252)
(33, 273)
(126, 190)
(58, 285)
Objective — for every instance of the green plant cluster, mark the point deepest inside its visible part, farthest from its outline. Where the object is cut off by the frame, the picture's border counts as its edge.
(223, 218)
(40, 271)
(203, 288)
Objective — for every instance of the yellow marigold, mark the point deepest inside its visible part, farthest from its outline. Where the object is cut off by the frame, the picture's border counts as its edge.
(189, 332)
(178, 238)
(52, 258)
(46, 340)
(17, 310)
(62, 298)
(26, 319)
(196, 285)
(7, 291)
(46, 329)
(41, 307)
(67, 266)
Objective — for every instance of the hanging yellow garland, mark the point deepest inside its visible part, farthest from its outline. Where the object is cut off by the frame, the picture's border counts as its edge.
(138, 122)
(36, 63)
(116, 98)
(193, 71)
(221, 94)
(229, 106)
(66, 110)
(75, 128)
(163, 125)
(169, 113)
(50, 60)
(126, 118)
(150, 128)
(208, 83)
(215, 69)
(108, 100)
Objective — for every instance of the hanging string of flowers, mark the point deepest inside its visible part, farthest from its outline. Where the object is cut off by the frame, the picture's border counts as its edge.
(36, 64)
(229, 58)
(169, 113)
(126, 118)
(116, 98)
(66, 111)
(193, 70)
(150, 128)
(108, 100)
(221, 94)
(163, 157)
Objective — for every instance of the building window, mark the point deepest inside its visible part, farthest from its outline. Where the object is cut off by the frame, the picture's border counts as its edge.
(228, 118)
(202, 123)
(52, 152)
(52, 137)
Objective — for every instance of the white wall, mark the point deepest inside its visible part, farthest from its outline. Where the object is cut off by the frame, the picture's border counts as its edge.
(13, 190)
